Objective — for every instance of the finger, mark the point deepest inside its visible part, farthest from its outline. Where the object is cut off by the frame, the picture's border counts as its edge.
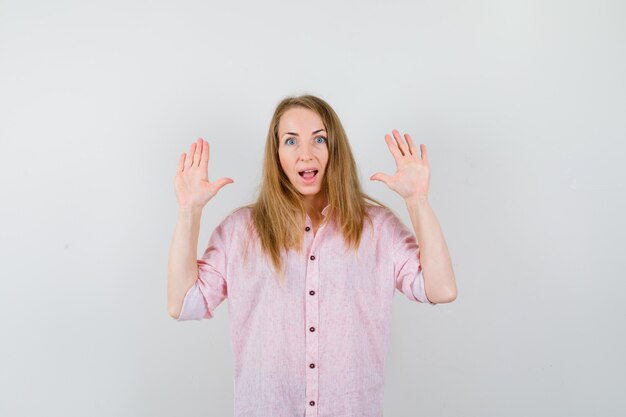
(412, 148)
(204, 157)
(222, 182)
(424, 152)
(393, 147)
(189, 157)
(181, 163)
(197, 153)
(400, 142)
(382, 177)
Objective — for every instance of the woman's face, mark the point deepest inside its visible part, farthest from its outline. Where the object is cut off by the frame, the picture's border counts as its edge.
(302, 147)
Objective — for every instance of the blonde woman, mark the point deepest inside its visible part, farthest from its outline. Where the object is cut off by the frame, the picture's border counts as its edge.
(309, 269)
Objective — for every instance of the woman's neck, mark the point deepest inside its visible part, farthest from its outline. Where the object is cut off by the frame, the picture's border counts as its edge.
(314, 206)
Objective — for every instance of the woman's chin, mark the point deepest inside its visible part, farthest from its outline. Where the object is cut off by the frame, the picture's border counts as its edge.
(308, 191)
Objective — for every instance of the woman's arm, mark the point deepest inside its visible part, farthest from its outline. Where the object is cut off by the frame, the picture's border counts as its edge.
(411, 181)
(182, 270)
(436, 264)
(193, 192)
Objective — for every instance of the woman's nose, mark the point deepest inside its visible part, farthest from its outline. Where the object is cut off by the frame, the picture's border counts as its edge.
(306, 152)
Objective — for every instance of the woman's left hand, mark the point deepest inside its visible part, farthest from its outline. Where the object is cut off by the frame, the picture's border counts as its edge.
(412, 177)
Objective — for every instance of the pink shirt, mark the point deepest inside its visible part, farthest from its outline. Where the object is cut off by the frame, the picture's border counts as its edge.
(316, 347)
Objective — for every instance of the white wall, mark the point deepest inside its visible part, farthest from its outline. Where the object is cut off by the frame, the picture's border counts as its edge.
(521, 104)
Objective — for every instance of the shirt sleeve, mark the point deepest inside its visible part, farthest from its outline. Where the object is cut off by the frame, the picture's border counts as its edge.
(210, 288)
(407, 268)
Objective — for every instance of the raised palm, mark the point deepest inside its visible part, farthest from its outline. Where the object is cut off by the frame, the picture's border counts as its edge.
(191, 183)
(412, 177)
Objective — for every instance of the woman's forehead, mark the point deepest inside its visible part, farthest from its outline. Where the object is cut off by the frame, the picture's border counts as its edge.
(300, 120)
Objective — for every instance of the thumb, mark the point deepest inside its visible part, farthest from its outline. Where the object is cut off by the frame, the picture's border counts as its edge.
(379, 176)
(222, 182)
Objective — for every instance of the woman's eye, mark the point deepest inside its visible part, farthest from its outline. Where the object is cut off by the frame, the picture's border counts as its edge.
(323, 139)
(290, 141)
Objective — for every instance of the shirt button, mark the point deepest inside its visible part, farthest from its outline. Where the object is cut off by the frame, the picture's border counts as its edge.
(311, 292)
(312, 365)
(312, 257)
(307, 228)
(312, 329)
(311, 402)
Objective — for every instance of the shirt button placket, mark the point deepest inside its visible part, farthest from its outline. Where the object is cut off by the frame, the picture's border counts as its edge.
(311, 338)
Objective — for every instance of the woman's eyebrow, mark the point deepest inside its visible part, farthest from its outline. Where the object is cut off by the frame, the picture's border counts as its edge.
(295, 134)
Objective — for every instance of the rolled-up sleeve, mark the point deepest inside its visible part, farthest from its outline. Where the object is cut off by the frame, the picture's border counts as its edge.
(210, 289)
(407, 268)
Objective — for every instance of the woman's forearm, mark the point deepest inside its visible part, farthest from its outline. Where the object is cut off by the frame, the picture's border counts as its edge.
(436, 264)
(182, 270)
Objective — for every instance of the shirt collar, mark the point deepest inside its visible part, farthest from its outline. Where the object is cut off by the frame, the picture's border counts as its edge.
(325, 210)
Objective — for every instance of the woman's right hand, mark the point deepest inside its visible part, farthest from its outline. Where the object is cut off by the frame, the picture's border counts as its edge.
(192, 185)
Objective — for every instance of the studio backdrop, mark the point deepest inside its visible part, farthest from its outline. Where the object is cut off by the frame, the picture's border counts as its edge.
(520, 103)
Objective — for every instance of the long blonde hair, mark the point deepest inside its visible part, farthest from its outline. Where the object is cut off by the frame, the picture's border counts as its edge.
(278, 215)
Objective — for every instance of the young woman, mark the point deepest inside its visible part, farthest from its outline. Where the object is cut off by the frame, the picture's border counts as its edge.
(309, 269)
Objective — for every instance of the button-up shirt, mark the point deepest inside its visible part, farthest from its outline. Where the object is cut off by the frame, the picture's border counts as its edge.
(316, 344)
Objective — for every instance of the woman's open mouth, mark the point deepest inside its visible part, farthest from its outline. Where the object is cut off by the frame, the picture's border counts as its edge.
(308, 176)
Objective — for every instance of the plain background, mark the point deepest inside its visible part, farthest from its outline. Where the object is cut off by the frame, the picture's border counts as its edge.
(521, 104)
